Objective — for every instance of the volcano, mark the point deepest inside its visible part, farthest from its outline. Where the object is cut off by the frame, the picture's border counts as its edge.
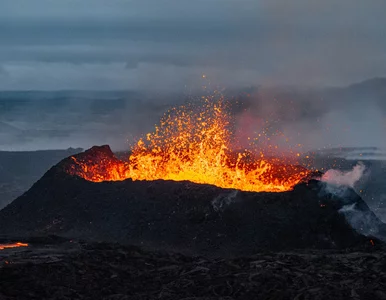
(181, 215)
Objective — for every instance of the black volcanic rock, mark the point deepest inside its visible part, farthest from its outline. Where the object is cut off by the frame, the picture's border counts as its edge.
(56, 270)
(184, 216)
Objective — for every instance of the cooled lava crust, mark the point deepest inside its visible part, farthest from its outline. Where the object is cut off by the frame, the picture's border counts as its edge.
(183, 216)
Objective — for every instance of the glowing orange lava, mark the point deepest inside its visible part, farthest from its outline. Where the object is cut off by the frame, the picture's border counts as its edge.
(12, 245)
(193, 143)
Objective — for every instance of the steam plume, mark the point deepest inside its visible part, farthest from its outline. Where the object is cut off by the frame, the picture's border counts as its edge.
(340, 183)
(348, 178)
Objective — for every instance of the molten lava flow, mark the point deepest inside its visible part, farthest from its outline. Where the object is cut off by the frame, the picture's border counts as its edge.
(12, 245)
(194, 144)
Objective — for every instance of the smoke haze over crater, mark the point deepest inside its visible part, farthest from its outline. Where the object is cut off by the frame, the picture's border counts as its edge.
(351, 116)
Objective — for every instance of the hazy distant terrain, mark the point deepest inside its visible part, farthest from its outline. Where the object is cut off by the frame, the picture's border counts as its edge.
(19, 170)
(316, 118)
(58, 120)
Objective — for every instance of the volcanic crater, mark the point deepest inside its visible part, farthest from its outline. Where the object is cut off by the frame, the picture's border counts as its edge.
(184, 189)
(183, 216)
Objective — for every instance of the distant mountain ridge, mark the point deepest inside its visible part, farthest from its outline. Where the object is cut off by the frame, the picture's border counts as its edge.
(354, 153)
(373, 83)
(58, 119)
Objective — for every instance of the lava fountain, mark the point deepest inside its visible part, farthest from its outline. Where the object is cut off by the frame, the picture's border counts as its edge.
(194, 143)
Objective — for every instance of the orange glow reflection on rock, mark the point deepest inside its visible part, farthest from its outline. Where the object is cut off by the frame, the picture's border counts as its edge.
(194, 144)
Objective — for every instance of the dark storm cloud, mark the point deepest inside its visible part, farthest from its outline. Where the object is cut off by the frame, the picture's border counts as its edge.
(234, 42)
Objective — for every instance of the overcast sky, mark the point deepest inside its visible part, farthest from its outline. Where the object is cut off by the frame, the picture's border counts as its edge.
(169, 44)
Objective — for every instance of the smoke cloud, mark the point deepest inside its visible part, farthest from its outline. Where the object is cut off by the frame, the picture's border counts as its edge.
(300, 119)
(341, 184)
(348, 178)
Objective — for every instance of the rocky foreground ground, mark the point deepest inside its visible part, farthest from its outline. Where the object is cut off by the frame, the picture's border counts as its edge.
(76, 270)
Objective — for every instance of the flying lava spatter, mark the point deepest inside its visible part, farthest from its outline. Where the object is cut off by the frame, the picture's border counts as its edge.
(193, 143)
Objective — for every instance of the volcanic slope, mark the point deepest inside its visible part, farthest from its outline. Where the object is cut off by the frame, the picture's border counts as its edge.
(183, 216)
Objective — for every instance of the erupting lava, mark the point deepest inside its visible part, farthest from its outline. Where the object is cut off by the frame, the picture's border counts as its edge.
(193, 143)
(12, 245)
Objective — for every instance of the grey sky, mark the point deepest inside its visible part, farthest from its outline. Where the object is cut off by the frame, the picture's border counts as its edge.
(168, 44)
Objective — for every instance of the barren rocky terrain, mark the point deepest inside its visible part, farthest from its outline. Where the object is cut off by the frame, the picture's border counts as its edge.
(69, 269)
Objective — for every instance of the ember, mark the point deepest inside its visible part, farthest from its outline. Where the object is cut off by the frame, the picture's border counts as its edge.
(12, 245)
(194, 144)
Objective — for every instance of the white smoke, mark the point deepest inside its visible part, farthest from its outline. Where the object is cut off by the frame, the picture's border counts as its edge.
(348, 178)
(339, 184)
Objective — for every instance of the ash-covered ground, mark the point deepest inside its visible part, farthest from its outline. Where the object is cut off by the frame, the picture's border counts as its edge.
(54, 268)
